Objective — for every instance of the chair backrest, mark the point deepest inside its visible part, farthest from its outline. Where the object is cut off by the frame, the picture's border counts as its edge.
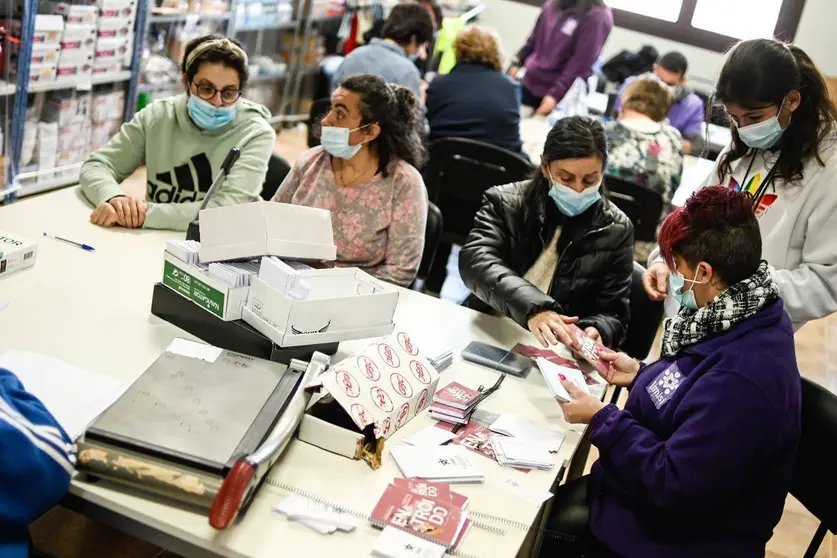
(814, 468)
(432, 236)
(642, 206)
(646, 315)
(459, 172)
(319, 109)
(277, 169)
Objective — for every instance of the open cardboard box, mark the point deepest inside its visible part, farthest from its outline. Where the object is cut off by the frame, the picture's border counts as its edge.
(344, 303)
(264, 228)
(383, 387)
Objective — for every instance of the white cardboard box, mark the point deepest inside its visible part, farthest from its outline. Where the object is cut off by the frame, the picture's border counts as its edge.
(42, 72)
(115, 27)
(16, 253)
(114, 49)
(78, 35)
(344, 303)
(47, 28)
(74, 13)
(266, 228)
(74, 72)
(73, 55)
(42, 53)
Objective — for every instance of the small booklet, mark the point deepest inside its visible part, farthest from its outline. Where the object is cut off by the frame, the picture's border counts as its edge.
(430, 518)
(514, 452)
(589, 349)
(450, 464)
(456, 395)
(555, 374)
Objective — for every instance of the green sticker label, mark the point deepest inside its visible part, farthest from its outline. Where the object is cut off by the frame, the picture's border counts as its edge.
(209, 298)
(176, 279)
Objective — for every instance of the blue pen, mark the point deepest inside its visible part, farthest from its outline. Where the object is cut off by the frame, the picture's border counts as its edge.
(80, 245)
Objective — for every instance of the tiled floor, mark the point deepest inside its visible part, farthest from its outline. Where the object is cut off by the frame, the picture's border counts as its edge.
(64, 536)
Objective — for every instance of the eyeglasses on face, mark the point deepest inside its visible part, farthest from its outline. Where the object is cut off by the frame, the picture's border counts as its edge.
(207, 91)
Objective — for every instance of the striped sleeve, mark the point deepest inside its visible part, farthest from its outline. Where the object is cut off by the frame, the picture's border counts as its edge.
(39, 457)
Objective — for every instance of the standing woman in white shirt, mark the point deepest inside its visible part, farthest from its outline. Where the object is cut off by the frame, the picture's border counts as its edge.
(784, 153)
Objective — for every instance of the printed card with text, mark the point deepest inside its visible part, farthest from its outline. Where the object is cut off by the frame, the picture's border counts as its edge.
(386, 384)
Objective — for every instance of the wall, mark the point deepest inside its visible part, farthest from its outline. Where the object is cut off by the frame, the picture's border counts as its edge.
(514, 21)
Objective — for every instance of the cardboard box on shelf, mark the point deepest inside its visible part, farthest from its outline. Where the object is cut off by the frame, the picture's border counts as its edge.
(48, 28)
(73, 13)
(42, 53)
(110, 27)
(106, 67)
(39, 73)
(114, 49)
(78, 35)
(48, 130)
(343, 304)
(117, 8)
(75, 72)
(70, 56)
(108, 106)
(266, 229)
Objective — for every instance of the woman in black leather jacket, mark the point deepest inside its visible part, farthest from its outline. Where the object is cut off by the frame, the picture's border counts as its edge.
(550, 251)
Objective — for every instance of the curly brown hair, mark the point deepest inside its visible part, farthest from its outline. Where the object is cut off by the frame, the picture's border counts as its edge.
(480, 46)
(648, 96)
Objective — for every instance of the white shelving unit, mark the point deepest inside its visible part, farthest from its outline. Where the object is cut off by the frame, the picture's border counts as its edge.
(83, 83)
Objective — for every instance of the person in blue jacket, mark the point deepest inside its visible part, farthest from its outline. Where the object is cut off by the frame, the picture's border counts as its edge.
(37, 462)
(700, 461)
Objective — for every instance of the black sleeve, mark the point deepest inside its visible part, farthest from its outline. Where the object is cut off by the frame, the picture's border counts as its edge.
(613, 303)
(484, 268)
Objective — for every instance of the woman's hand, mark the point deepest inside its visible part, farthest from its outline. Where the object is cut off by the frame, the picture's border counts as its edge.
(583, 406)
(622, 370)
(104, 215)
(551, 328)
(548, 104)
(655, 281)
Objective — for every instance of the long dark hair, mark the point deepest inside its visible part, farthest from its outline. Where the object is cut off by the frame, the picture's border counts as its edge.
(574, 137)
(761, 72)
(577, 7)
(396, 110)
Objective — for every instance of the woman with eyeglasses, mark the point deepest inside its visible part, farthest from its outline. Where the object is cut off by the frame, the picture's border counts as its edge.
(183, 141)
(784, 153)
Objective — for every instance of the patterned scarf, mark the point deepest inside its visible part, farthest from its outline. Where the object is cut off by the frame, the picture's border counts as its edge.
(733, 306)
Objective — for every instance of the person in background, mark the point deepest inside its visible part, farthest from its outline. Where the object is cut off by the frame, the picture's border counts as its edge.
(643, 147)
(38, 462)
(567, 40)
(476, 100)
(550, 251)
(365, 174)
(183, 141)
(405, 36)
(784, 153)
(687, 112)
(700, 460)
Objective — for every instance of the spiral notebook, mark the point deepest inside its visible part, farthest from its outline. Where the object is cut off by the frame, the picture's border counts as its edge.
(497, 359)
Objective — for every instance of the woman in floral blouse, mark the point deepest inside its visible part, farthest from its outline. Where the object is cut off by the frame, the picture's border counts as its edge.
(365, 174)
(644, 148)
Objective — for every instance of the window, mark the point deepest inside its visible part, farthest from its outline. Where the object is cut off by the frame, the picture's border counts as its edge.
(711, 24)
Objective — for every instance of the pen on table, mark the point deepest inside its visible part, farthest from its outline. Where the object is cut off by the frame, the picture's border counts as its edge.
(79, 244)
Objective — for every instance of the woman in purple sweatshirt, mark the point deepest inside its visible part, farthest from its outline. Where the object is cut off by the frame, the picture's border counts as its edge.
(567, 40)
(700, 461)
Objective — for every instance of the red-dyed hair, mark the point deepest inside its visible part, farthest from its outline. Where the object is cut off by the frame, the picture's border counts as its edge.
(717, 226)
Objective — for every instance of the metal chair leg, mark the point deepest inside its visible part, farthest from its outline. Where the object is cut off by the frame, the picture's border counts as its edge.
(816, 542)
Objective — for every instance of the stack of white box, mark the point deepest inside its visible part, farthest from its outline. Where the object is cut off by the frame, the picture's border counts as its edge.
(45, 47)
(115, 35)
(75, 63)
(107, 112)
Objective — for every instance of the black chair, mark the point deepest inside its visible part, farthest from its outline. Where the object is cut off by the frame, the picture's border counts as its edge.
(319, 109)
(432, 236)
(277, 169)
(458, 173)
(812, 473)
(642, 206)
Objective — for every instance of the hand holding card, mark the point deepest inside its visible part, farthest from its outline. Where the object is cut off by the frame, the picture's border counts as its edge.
(588, 348)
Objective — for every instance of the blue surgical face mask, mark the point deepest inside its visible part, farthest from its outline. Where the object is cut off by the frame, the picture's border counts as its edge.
(570, 202)
(207, 116)
(336, 141)
(763, 135)
(676, 281)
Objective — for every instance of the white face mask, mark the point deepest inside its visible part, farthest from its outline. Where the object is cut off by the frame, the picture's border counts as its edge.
(765, 134)
(336, 141)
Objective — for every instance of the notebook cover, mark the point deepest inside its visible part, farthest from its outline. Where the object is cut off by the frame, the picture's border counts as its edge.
(456, 395)
(430, 517)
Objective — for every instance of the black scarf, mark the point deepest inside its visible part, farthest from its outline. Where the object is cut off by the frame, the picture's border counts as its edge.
(733, 306)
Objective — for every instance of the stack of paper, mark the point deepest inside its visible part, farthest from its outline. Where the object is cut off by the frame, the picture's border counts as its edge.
(450, 464)
(237, 274)
(517, 427)
(184, 250)
(454, 403)
(554, 374)
(284, 278)
(514, 452)
(320, 517)
(395, 543)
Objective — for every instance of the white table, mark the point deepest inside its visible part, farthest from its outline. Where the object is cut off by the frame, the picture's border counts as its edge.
(92, 310)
